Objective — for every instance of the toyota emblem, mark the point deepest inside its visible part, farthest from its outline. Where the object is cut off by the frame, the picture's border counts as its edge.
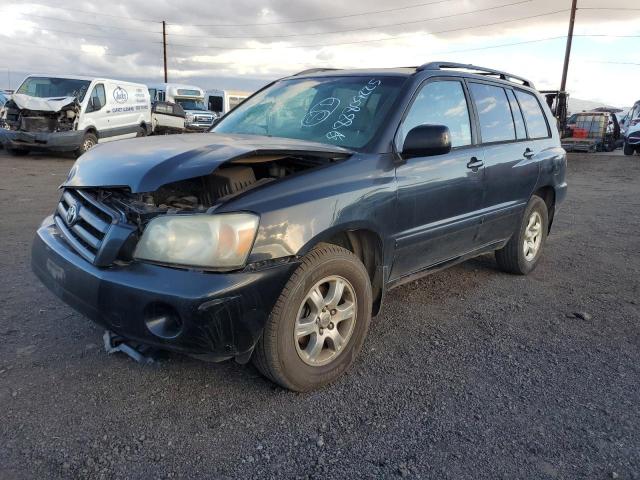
(72, 215)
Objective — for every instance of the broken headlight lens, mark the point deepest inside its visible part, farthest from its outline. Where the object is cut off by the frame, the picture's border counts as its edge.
(209, 241)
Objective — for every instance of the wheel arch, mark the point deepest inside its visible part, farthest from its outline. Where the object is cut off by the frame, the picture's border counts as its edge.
(366, 244)
(548, 194)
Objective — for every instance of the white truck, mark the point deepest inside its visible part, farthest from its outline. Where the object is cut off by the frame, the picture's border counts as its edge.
(73, 113)
(223, 101)
(190, 98)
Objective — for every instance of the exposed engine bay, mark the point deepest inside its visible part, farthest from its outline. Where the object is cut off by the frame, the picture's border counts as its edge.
(30, 114)
(202, 193)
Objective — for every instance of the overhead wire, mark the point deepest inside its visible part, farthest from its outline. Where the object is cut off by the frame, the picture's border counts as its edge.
(360, 29)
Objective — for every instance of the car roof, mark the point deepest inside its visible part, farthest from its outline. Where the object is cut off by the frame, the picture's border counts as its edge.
(431, 69)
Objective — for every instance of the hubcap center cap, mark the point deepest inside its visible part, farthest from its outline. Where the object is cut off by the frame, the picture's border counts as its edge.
(324, 319)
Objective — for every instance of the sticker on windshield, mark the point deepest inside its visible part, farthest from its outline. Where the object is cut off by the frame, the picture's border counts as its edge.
(320, 112)
(350, 112)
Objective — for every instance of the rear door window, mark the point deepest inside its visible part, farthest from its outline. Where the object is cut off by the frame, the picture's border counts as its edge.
(441, 103)
(533, 115)
(518, 120)
(494, 112)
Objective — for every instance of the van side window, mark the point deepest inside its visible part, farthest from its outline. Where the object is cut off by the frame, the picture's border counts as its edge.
(160, 96)
(521, 132)
(98, 98)
(533, 115)
(441, 102)
(494, 112)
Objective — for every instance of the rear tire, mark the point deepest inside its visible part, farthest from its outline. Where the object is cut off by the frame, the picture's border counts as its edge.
(523, 251)
(285, 351)
(17, 152)
(142, 131)
(88, 142)
(628, 149)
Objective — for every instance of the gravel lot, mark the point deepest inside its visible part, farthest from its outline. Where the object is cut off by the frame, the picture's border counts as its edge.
(469, 373)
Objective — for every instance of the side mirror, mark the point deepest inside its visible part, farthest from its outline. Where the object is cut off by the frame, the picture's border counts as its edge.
(426, 141)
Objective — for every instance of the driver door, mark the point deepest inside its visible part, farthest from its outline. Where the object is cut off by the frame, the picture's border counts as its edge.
(96, 114)
(439, 197)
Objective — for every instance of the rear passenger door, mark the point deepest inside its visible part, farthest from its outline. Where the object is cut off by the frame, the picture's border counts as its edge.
(511, 171)
(439, 197)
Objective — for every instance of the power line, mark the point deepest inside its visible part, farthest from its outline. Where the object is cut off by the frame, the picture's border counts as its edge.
(615, 63)
(354, 42)
(102, 14)
(90, 24)
(411, 22)
(610, 8)
(317, 19)
(73, 50)
(83, 34)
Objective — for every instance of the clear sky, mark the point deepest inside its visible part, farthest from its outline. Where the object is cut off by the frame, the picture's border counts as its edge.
(243, 44)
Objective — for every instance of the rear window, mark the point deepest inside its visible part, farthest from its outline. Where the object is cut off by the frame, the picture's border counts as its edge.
(533, 115)
(494, 112)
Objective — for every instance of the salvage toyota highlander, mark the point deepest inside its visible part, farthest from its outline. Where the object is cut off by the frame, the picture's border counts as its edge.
(275, 236)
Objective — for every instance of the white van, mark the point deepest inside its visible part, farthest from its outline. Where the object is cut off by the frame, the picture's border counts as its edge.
(73, 113)
(632, 130)
(190, 98)
(223, 101)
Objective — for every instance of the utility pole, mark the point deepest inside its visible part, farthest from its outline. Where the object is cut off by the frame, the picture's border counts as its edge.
(567, 52)
(164, 46)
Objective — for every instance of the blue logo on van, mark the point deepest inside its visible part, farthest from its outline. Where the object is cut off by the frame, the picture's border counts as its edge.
(120, 95)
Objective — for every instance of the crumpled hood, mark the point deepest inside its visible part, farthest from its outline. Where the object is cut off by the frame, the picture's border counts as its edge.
(53, 104)
(145, 164)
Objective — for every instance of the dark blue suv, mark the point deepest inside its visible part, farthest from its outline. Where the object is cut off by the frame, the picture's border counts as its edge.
(275, 236)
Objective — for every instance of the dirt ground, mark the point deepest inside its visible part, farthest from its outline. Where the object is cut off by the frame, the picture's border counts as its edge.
(467, 374)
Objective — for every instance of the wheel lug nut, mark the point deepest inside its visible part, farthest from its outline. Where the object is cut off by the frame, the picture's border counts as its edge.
(321, 330)
(331, 326)
(333, 311)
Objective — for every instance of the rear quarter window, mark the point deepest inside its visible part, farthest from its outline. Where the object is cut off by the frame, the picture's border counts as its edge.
(534, 116)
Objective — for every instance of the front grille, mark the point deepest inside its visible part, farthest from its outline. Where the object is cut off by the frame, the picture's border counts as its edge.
(201, 119)
(83, 221)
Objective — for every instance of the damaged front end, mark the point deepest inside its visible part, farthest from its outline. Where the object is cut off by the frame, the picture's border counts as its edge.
(87, 252)
(34, 123)
(31, 114)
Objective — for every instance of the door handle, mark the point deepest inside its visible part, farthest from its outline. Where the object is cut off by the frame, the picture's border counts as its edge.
(528, 153)
(475, 163)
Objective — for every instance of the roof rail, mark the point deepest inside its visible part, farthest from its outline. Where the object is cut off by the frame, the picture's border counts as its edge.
(313, 70)
(481, 70)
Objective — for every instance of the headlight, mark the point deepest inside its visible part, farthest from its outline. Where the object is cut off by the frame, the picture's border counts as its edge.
(189, 117)
(210, 241)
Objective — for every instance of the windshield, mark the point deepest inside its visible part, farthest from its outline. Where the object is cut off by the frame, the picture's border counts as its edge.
(191, 104)
(343, 111)
(48, 87)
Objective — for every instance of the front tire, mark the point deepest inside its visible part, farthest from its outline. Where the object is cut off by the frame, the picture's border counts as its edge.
(523, 251)
(628, 149)
(319, 323)
(88, 142)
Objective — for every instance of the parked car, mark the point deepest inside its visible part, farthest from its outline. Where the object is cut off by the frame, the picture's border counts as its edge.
(223, 101)
(632, 131)
(73, 114)
(168, 117)
(276, 236)
(592, 132)
(191, 98)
